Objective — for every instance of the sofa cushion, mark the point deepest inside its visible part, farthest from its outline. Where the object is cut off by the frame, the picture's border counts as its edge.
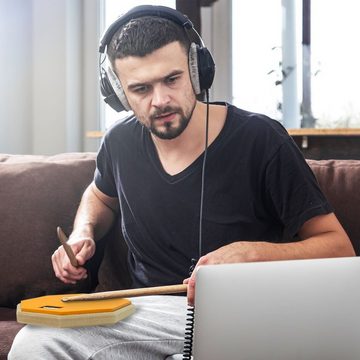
(340, 182)
(8, 329)
(37, 194)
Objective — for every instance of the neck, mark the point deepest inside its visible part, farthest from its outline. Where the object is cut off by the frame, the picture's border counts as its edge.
(176, 154)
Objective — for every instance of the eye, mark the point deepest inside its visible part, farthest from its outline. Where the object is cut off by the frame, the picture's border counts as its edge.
(143, 89)
(172, 79)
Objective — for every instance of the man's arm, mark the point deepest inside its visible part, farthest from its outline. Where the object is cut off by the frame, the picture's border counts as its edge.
(321, 237)
(95, 215)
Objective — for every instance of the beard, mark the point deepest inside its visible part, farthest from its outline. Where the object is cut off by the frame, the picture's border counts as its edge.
(170, 130)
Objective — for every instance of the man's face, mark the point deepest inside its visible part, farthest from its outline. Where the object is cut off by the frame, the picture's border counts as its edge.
(159, 89)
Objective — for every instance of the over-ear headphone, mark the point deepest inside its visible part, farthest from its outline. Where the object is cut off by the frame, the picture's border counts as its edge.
(201, 63)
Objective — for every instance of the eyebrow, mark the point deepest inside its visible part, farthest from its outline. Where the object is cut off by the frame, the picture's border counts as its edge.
(137, 84)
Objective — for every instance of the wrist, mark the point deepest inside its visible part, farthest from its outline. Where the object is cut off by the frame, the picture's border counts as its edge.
(83, 231)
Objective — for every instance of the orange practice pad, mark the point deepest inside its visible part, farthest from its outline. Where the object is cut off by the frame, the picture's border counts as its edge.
(51, 311)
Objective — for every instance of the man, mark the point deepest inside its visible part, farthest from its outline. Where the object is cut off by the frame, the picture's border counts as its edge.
(149, 170)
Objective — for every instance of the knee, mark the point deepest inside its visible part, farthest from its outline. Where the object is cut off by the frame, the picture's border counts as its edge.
(18, 347)
(27, 344)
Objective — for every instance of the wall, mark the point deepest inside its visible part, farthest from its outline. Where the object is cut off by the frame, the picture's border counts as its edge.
(49, 95)
(216, 24)
(16, 79)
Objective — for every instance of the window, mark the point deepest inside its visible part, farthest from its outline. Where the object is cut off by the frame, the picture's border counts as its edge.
(256, 37)
(113, 9)
(335, 55)
(335, 63)
(257, 58)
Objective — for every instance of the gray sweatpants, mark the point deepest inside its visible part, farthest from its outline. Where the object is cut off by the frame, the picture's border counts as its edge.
(154, 331)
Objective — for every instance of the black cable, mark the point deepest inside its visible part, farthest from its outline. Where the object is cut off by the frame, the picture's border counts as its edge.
(189, 332)
(202, 190)
(189, 327)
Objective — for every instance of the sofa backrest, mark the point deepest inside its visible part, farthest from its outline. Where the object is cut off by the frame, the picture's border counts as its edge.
(39, 193)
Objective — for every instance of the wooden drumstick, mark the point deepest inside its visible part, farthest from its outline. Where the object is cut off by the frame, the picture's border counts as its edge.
(63, 240)
(157, 290)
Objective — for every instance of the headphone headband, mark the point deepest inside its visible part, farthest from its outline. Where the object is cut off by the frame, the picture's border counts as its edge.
(140, 11)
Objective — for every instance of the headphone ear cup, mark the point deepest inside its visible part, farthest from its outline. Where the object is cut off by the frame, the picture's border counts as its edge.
(201, 67)
(108, 92)
(206, 67)
(194, 68)
(112, 90)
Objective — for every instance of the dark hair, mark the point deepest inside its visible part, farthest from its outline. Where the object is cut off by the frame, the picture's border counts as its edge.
(142, 36)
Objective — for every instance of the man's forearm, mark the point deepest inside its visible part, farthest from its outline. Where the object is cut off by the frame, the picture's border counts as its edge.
(324, 245)
(322, 237)
(94, 217)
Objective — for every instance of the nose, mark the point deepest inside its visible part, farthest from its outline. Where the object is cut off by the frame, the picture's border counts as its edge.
(160, 96)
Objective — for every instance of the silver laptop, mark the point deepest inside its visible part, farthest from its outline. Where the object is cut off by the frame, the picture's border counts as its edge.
(281, 310)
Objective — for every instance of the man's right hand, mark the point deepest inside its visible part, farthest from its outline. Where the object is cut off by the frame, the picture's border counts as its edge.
(84, 249)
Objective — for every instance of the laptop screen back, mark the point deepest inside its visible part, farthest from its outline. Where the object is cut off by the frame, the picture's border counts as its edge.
(280, 310)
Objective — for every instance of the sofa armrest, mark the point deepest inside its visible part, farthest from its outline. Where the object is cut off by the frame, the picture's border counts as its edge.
(340, 182)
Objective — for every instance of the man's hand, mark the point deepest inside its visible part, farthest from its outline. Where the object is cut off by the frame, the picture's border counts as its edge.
(84, 249)
(94, 218)
(240, 251)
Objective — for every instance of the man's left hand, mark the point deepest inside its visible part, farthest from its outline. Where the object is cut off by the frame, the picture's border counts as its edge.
(236, 252)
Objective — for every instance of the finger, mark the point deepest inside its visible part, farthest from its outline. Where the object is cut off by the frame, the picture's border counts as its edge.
(204, 260)
(55, 265)
(57, 262)
(61, 274)
(191, 286)
(84, 252)
(64, 270)
(191, 290)
(70, 278)
(73, 273)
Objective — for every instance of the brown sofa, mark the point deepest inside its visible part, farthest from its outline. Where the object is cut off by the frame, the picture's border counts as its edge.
(38, 193)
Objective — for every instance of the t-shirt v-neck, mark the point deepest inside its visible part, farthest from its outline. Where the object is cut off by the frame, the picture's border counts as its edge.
(196, 165)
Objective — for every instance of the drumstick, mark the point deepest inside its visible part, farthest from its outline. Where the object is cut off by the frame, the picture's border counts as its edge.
(63, 239)
(157, 290)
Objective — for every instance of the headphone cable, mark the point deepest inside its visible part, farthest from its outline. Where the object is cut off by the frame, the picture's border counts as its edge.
(189, 327)
(203, 174)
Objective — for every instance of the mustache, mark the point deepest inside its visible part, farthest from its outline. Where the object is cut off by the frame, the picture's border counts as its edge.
(165, 110)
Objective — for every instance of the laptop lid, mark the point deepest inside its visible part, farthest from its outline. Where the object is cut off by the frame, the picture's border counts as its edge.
(280, 310)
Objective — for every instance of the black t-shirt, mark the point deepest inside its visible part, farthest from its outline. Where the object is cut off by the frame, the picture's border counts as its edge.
(257, 184)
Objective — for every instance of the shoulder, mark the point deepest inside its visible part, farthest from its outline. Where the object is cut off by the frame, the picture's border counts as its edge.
(121, 127)
(255, 122)
(123, 132)
(256, 131)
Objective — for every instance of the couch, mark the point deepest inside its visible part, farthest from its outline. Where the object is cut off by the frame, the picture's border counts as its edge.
(39, 193)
